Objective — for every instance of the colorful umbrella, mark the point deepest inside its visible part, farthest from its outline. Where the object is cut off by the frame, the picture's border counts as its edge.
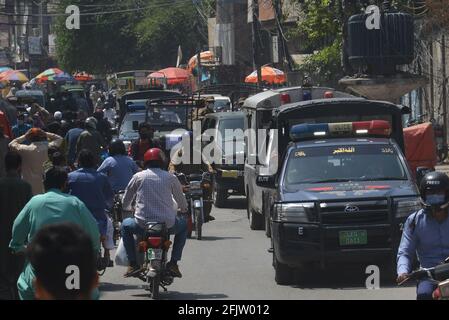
(205, 56)
(54, 74)
(13, 75)
(173, 75)
(83, 76)
(2, 69)
(269, 74)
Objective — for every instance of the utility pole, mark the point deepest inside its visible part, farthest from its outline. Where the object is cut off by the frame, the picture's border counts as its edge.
(256, 56)
(444, 91)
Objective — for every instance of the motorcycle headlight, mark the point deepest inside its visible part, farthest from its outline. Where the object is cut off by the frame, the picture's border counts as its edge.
(406, 207)
(294, 212)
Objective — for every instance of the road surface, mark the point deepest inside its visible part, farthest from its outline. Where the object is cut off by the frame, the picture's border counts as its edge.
(232, 262)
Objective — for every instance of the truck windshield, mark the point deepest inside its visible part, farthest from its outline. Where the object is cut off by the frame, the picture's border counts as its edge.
(344, 163)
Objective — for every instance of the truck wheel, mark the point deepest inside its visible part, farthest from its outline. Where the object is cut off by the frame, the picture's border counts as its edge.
(283, 274)
(267, 225)
(219, 196)
(256, 220)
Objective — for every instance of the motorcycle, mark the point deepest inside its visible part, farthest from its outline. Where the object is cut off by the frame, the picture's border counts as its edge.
(438, 274)
(153, 248)
(117, 214)
(197, 186)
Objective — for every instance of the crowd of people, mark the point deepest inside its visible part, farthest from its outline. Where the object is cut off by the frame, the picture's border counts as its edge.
(64, 169)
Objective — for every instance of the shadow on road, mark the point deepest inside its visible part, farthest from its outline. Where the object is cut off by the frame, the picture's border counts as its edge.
(213, 238)
(343, 278)
(111, 287)
(175, 295)
(235, 203)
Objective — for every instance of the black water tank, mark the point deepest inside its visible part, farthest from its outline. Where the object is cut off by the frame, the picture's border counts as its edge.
(380, 51)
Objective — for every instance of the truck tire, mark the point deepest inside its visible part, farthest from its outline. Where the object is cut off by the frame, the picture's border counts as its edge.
(267, 224)
(256, 221)
(220, 196)
(283, 274)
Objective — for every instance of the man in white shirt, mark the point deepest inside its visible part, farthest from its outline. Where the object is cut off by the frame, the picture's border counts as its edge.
(153, 191)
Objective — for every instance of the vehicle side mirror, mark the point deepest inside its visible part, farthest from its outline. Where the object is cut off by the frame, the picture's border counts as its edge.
(421, 172)
(135, 125)
(266, 181)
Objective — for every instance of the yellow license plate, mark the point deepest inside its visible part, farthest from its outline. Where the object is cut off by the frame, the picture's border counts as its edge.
(230, 174)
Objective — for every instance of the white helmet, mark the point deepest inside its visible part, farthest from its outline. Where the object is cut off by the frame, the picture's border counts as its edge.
(57, 115)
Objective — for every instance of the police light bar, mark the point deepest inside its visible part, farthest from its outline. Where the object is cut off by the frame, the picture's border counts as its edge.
(310, 131)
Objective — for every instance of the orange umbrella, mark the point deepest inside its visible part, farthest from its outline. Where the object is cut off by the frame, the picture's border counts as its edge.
(269, 75)
(173, 75)
(205, 56)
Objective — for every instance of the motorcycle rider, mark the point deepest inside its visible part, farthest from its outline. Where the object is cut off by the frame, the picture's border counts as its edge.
(153, 190)
(145, 142)
(176, 165)
(91, 140)
(118, 167)
(426, 232)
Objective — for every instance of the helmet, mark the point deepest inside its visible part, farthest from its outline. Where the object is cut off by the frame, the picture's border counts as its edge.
(435, 182)
(117, 147)
(91, 122)
(154, 154)
(58, 115)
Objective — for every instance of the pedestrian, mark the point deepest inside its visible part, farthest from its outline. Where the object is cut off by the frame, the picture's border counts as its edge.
(94, 190)
(55, 248)
(103, 125)
(14, 195)
(71, 139)
(91, 140)
(21, 127)
(4, 141)
(4, 122)
(52, 207)
(34, 155)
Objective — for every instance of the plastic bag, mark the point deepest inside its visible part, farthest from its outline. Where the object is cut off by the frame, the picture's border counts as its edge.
(121, 259)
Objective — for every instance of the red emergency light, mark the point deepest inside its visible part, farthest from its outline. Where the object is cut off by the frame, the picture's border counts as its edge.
(285, 98)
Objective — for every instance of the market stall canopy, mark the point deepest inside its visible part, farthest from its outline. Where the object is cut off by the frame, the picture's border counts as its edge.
(269, 74)
(205, 56)
(83, 76)
(13, 76)
(173, 75)
(54, 74)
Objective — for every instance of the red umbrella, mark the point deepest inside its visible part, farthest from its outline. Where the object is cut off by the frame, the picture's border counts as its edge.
(173, 75)
(83, 76)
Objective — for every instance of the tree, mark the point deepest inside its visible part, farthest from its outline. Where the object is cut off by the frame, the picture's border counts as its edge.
(129, 34)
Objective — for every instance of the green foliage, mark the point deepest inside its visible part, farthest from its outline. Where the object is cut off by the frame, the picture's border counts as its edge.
(143, 39)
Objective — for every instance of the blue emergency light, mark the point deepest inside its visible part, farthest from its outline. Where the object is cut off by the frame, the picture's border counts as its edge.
(316, 130)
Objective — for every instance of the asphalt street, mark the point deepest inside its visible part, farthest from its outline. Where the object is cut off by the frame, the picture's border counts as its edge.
(232, 262)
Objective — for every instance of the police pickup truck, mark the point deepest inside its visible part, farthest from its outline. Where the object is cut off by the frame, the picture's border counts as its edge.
(341, 196)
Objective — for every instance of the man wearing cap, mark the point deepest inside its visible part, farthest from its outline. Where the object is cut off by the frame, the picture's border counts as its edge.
(34, 155)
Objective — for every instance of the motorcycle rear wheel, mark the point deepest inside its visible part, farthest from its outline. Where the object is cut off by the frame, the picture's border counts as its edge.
(155, 283)
(198, 223)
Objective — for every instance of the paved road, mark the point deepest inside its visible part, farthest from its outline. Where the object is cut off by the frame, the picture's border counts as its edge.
(232, 262)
